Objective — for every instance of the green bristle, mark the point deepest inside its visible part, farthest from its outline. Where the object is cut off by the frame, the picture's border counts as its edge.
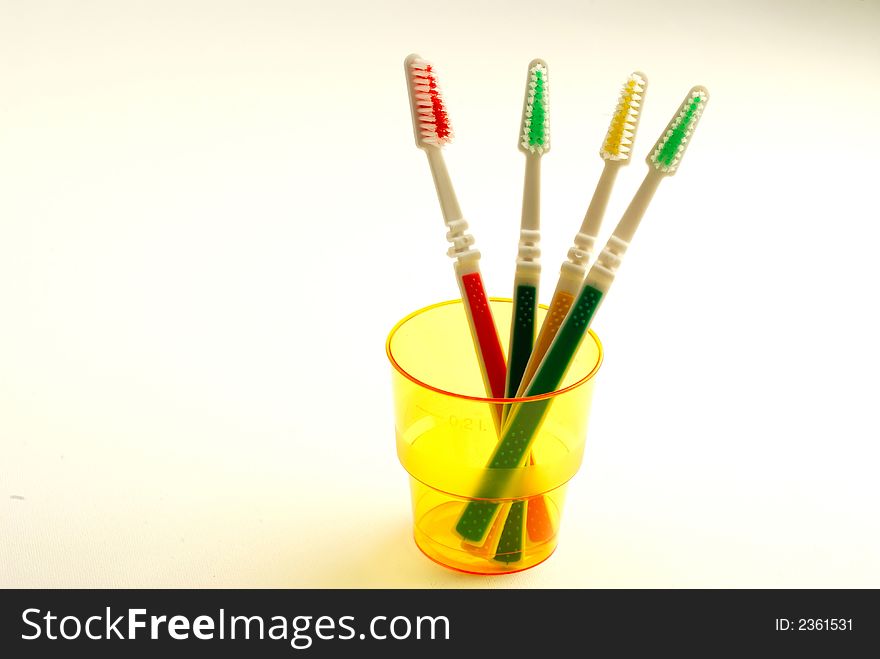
(667, 153)
(536, 126)
(535, 134)
(674, 141)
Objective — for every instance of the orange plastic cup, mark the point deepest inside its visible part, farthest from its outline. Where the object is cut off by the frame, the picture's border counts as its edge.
(446, 434)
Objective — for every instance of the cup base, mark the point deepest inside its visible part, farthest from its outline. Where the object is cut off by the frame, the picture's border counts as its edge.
(435, 537)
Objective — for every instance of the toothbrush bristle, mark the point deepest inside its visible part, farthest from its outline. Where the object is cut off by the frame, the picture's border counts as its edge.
(427, 102)
(622, 129)
(669, 150)
(535, 137)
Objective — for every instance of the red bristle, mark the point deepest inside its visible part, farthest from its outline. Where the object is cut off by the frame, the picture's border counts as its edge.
(441, 119)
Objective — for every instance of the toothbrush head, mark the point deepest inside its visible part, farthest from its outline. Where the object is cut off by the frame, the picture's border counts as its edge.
(622, 129)
(430, 121)
(667, 153)
(535, 133)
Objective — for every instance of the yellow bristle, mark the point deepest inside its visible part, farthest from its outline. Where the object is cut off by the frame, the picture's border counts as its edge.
(621, 131)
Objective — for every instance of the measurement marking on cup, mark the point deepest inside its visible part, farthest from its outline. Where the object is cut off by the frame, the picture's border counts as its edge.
(467, 423)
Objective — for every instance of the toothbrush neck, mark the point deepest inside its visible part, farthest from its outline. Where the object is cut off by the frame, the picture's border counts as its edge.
(531, 205)
(626, 228)
(602, 274)
(443, 184)
(599, 202)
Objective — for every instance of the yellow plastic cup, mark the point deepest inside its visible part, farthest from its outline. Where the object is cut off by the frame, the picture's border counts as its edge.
(446, 434)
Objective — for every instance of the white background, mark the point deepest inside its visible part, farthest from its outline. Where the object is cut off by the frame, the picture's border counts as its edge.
(211, 214)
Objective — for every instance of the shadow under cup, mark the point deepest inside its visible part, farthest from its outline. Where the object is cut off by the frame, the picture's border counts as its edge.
(446, 435)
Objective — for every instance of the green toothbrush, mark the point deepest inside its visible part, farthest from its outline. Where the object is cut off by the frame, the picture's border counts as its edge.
(534, 142)
(525, 419)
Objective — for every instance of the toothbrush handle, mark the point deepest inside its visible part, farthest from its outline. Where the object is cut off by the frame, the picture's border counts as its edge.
(527, 277)
(484, 332)
(467, 270)
(509, 549)
(522, 335)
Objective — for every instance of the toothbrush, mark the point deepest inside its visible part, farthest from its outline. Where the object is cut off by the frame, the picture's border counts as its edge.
(432, 131)
(525, 418)
(616, 150)
(534, 143)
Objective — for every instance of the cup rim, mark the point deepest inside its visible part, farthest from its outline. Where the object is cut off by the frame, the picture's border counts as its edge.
(483, 399)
